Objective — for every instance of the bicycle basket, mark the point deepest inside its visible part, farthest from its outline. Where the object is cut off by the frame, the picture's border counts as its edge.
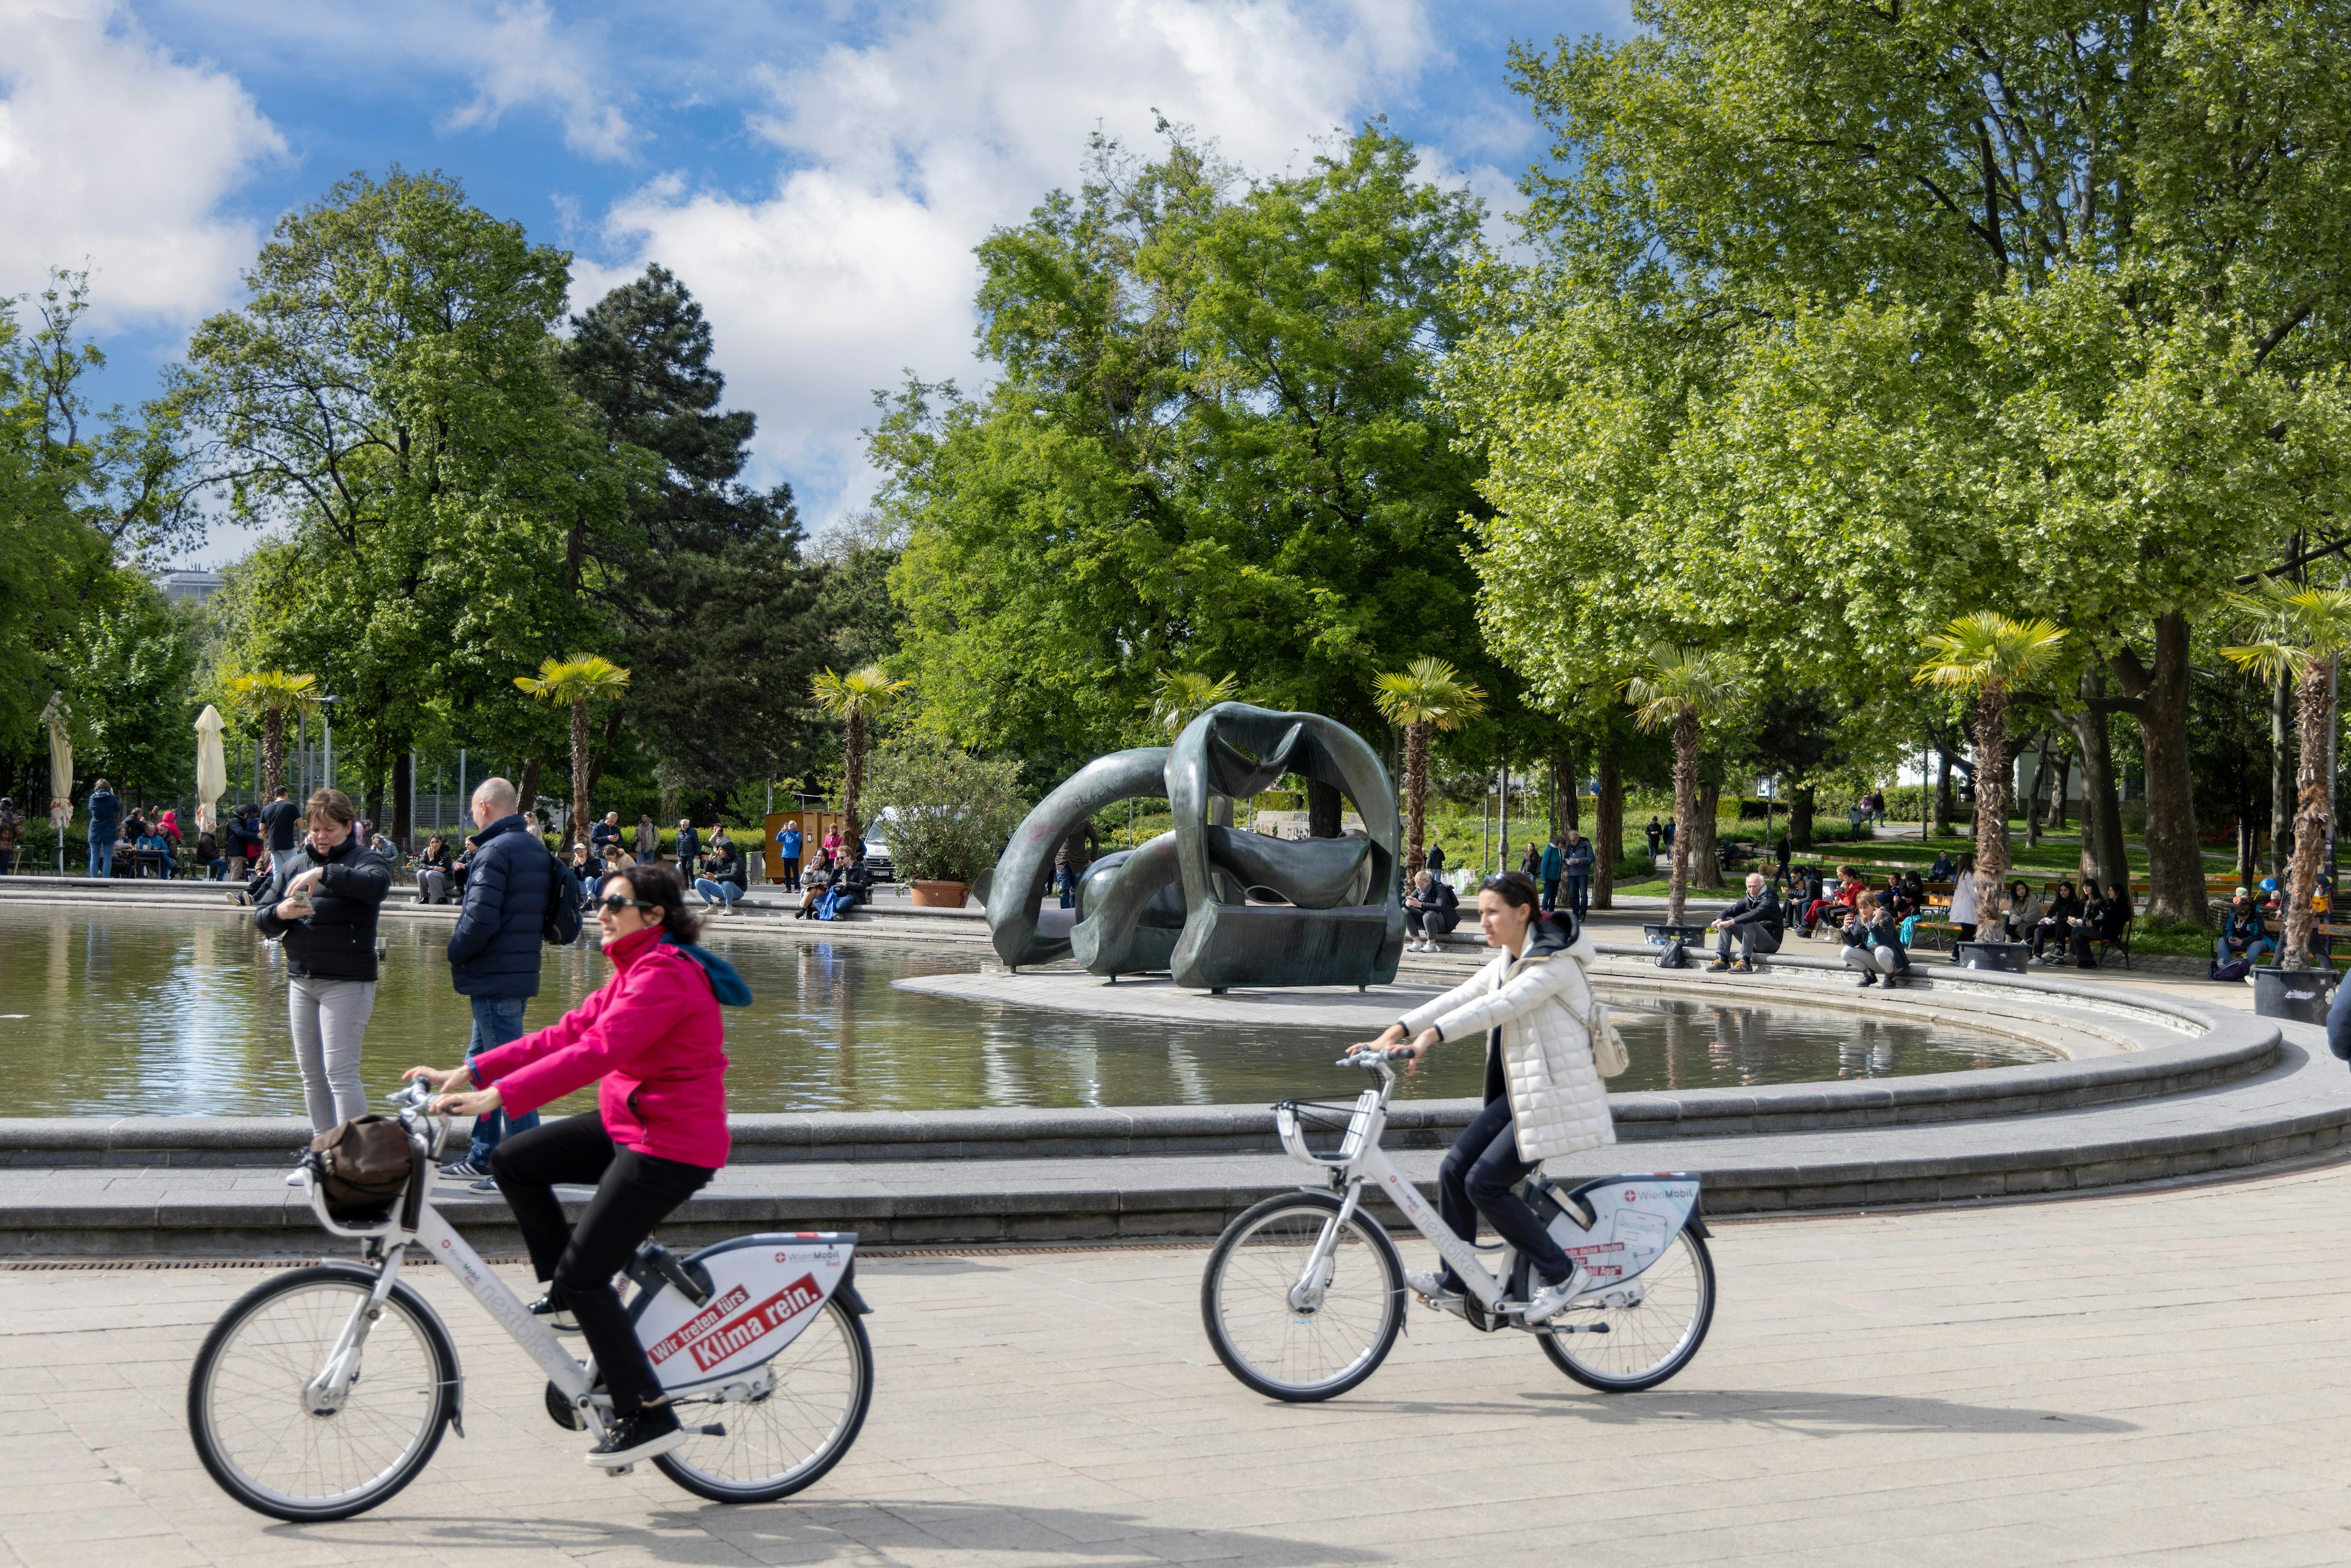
(362, 1166)
(1321, 1130)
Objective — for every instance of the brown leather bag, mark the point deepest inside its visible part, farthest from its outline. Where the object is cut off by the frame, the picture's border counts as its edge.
(362, 1165)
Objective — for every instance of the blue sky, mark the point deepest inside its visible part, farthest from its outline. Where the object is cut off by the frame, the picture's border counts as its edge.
(817, 174)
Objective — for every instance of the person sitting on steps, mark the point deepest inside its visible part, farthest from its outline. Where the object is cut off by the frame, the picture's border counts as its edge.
(1753, 922)
(1872, 943)
(1543, 1093)
(1428, 912)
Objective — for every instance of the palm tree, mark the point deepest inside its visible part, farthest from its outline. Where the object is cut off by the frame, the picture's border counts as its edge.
(2310, 631)
(579, 680)
(274, 693)
(1681, 689)
(1427, 695)
(1988, 655)
(1185, 694)
(857, 699)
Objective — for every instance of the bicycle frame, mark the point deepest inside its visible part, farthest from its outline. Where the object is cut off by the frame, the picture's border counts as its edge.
(414, 1222)
(1361, 1159)
(1624, 1222)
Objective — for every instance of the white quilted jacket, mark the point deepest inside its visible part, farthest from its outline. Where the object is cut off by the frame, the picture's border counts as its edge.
(1538, 1002)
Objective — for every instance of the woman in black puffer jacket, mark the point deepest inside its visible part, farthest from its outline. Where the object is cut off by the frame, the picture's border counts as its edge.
(321, 904)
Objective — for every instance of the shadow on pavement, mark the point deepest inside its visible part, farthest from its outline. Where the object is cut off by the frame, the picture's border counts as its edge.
(1819, 1414)
(819, 1530)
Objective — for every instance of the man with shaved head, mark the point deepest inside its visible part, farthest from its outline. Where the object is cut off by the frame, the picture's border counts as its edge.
(494, 953)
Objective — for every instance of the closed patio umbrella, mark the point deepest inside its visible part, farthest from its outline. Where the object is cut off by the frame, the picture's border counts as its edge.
(212, 768)
(60, 770)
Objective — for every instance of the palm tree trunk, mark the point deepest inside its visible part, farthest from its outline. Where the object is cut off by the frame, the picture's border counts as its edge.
(853, 776)
(273, 751)
(1607, 824)
(1685, 812)
(2315, 810)
(1415, 795)
(577, 831)
(1992, 794)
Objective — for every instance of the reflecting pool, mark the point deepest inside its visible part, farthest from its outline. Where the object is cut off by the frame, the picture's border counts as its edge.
(164, 1012)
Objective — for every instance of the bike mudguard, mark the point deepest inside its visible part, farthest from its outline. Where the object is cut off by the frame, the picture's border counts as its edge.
(763, 1290)
(1617, 1226)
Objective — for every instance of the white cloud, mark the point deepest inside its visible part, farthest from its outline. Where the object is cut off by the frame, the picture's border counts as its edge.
(115, 153)
(519, 60)
(899, 157)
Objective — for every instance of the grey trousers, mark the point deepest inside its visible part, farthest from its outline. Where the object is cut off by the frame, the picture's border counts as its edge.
(330, 1020)
(1883, 960)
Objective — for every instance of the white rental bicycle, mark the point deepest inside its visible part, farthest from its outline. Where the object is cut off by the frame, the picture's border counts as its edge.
(1304, 1295)
(325, 1390)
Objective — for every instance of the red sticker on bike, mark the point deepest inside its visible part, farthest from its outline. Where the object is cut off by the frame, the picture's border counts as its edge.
(740, 1333)
(701, 1323)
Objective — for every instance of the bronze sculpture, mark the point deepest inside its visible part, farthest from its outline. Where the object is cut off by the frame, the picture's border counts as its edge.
(1216, 907)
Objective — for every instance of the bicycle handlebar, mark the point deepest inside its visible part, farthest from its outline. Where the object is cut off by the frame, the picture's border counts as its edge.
(1369, 1058)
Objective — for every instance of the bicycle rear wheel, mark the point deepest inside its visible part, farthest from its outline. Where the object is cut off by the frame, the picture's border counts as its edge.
(1624, 1349)
(253, 1425)
(1286, 1348)
(792, 1420)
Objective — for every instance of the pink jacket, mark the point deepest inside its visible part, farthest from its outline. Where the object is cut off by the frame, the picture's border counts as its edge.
(652, 1034)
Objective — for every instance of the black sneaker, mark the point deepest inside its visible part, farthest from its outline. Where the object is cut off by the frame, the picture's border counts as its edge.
(1720, 965)
(638, 1436)
(465, 1170)
(1868, 981)
(554, 1313)
(1742, 968)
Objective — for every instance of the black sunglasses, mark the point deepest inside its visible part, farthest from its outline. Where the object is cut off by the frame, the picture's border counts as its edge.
(622, 901)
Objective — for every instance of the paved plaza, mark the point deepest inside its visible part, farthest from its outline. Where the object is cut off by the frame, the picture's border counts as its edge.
(2148, 1378)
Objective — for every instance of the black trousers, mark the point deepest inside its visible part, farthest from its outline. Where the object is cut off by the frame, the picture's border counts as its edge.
(1475, 1177)
(634, 1193)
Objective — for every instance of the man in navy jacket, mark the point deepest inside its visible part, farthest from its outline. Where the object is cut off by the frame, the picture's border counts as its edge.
(494, 952)
(105, 816)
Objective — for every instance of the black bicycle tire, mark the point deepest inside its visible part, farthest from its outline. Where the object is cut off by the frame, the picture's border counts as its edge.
(1390, 1266)
(1601, 1384)
(437, 1338)
(700, 1484)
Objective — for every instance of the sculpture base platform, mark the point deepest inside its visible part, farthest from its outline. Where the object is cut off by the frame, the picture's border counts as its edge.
(1159, 998)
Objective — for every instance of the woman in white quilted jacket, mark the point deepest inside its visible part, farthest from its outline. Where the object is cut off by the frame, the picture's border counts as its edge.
(1543, 1093)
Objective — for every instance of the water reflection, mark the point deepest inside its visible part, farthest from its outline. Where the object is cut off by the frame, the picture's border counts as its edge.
(162, 1012)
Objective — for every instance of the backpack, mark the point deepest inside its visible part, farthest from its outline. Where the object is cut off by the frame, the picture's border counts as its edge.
(2235, 969)
(559, 926)
(362, 1165)
(1675, 956)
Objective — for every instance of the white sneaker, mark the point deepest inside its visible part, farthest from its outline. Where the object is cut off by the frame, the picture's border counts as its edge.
(1552, 1298)
(1431, 1285)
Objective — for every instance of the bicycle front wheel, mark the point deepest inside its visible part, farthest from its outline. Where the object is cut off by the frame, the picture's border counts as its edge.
(1289, 1336)
(787, 1423)
(1661, 1319)
(284, 1452)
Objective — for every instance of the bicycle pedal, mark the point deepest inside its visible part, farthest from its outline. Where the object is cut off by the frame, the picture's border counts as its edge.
(620, 1471)
(716, 1429)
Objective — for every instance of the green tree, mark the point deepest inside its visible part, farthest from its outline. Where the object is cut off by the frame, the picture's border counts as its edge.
(389, 402)
(1210, 444)
(857, 699)
(2309, 632)
(1989, 656)
(1427, 695)
(701, 576)
(574, 683)
(1841, 313)
(952, 814)
(1681, 690)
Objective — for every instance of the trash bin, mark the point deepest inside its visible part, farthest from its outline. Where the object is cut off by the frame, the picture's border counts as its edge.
(2301, 995)
(2007, 956)
(1657, 936)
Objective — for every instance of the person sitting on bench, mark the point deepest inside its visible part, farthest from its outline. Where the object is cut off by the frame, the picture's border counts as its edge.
(1753, 922)
(2244, 934)
(2056, 924)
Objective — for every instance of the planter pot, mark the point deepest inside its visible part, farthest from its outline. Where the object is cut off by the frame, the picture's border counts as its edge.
(2301, 995)
(940, 894)
(2006, 955)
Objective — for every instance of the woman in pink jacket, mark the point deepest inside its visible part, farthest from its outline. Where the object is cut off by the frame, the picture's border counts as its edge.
(652, 1036)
